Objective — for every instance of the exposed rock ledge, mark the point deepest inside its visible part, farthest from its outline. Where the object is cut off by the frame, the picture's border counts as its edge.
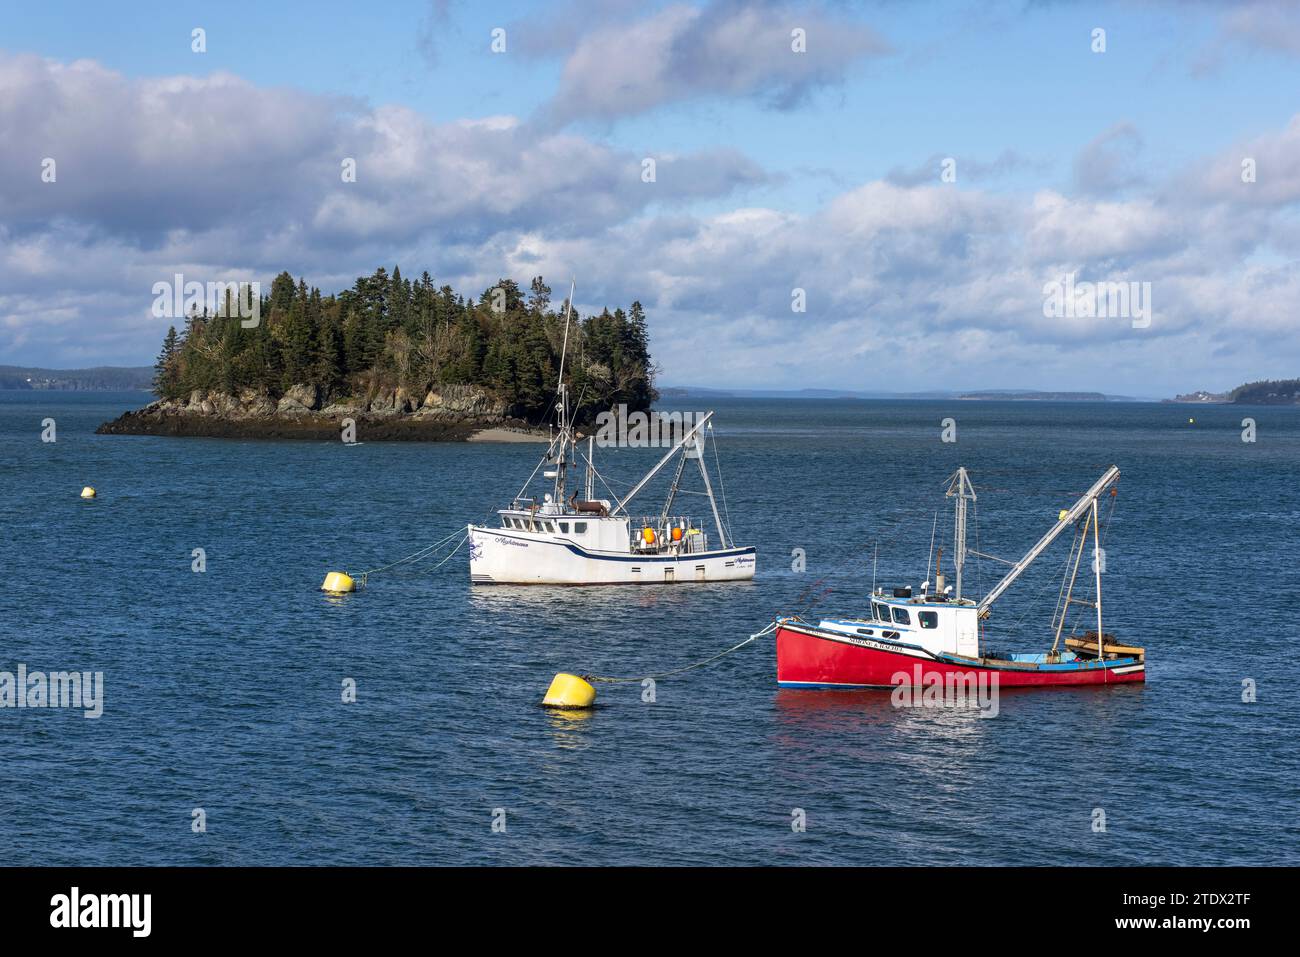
(448, 414)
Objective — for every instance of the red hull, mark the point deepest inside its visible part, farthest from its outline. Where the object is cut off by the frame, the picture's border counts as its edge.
(809, 657)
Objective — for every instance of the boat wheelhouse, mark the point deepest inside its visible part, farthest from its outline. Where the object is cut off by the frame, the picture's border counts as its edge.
(559, 540)
(936, 636)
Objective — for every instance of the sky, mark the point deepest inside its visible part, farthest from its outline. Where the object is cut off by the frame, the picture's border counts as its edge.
(873, 196)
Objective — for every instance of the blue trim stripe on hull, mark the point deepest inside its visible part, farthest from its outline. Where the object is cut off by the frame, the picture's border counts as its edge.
(683, 558)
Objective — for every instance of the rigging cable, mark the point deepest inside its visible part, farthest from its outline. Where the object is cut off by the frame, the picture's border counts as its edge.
(1060, 595)
(1104, 532)
(722, 485)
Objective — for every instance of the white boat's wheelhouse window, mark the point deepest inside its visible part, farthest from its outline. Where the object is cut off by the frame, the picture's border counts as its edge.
(579, 528)
(902, 617)
(564, 527)
(882, 611)
(548, 526)
(928, 619)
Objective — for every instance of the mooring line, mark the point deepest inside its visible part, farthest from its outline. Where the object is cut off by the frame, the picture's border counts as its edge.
(609, 679)
(415, 556)
(452, 552)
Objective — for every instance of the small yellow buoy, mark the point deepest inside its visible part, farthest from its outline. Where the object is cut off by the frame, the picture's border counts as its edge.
(88, 492)
(1191, 421)
(569, 691)
(1061, 515)
(338, 583)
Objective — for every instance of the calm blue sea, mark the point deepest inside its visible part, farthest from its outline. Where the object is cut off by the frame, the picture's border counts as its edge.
(223, 688)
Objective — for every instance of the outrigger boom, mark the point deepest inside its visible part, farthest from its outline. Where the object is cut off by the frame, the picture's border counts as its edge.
(679, 446)
(1069, 517)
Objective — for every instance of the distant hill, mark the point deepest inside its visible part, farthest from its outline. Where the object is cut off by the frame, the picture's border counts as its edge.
(1003, 395)
(97, 379)
(1267, 392)
(1201, 396)
(1008, 395)
(1264, 392)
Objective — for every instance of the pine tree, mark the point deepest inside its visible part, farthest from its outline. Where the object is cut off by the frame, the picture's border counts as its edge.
(540, 300)
(329, 373)
(165, 373)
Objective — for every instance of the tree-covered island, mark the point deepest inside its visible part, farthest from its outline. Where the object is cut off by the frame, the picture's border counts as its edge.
(407, 358)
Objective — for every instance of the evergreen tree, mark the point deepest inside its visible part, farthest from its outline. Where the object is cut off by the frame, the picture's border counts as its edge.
(165, 373)
(540, 300)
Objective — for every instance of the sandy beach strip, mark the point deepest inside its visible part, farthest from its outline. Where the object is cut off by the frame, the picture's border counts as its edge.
(508, 435)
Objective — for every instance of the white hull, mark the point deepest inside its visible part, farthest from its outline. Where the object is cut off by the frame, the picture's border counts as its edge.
(501, 556)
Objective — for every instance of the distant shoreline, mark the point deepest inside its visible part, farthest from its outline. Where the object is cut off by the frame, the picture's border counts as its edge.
(95, 379)
(979, 395)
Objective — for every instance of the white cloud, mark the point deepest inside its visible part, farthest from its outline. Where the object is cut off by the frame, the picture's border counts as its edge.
(721, 49)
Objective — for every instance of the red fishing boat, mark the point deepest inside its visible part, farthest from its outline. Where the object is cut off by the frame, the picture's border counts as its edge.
(935, 638)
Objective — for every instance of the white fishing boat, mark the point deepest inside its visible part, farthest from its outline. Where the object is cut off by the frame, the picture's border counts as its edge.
(559, 539)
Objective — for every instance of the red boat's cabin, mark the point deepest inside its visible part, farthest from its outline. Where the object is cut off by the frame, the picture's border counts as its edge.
(934, 622)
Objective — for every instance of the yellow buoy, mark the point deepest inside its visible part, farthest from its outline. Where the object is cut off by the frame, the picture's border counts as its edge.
(87, 492)
(338, 583)
(569, 691)
(1191, 421)
(1060, 517)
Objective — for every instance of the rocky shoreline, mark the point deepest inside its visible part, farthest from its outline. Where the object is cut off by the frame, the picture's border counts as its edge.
(447, 414)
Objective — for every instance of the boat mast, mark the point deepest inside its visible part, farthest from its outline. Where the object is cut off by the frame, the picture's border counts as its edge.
(1096, 568)
(550, 451)
(561, 404)
(1067, 518)
(961, 489)
(591, 467)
